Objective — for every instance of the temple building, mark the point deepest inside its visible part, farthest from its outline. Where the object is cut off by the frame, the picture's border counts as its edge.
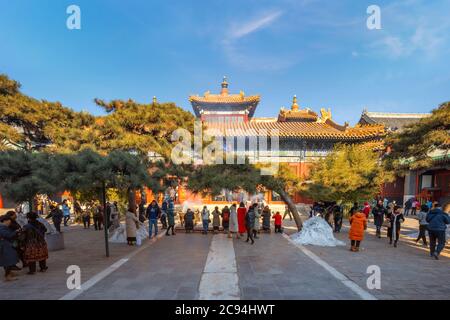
(303, 135)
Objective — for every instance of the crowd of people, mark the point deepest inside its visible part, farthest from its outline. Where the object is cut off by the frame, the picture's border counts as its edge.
(91, 213)
(431, 219)
(234, 220)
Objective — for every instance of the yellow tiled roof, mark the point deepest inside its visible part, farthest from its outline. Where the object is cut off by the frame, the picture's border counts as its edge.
(286, 115)
(304, 130)
(228, 98)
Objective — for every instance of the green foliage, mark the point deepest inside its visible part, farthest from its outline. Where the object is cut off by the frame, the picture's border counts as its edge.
(31, 124)
(88, 171)
(412, 147)
(24, 174)
(8, 86)
(139, 127)
(211, 179)
(350, 173)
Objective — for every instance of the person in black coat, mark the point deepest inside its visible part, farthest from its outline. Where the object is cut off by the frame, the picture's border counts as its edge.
(395, 220)
(250, 222)
(379, 212)
(338, 216)
(57, 216)
(15, 226)
(189, 221)
(8, 255)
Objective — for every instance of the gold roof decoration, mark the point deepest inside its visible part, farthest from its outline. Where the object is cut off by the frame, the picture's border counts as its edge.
(155, 101)
(224, 96)
(224, 91)
(325, 114)
(296, 113)
(294, 104)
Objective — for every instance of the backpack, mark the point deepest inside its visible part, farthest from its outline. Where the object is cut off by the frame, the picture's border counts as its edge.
(226, 216)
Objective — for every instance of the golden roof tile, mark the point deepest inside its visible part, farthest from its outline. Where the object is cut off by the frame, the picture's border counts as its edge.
(305, 130)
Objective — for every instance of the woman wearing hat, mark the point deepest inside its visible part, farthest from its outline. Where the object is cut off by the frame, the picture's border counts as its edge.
(35, 245)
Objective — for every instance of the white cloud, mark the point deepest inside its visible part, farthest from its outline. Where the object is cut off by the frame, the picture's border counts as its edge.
(413, 28)
(424, 40)
(395, 46)
(245, 56)
(427, 39)
(242, 30)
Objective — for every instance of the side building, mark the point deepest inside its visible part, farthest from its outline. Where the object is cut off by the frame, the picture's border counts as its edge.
(431, 183)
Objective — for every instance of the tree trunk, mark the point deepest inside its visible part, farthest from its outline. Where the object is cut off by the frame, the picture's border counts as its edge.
(30, 204)
(131, 199)
(291, 205)
(143, 196)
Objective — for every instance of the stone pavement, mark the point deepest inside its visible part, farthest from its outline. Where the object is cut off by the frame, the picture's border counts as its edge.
(172, 269)
(85, 248)
(169, 269)
(407, 272)
(273, 268)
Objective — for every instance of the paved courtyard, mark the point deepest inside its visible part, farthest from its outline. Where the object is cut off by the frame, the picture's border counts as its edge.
(196, 266)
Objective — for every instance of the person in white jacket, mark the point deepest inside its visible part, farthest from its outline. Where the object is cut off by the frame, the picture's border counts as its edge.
(233, 227)
(131, 222)
(205, 219)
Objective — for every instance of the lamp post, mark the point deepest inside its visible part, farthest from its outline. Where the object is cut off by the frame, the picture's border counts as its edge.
(105, 218)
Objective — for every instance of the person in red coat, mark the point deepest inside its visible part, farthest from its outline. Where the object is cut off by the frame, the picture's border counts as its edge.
(241, 211)
(278, 221)
(366, 209)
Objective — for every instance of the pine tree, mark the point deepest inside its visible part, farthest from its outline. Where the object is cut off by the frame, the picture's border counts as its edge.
(350, 173)
(412, 147)
(24, 174)
(30, 124)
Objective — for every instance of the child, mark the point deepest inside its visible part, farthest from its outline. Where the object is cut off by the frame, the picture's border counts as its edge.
(278, 221)
(358, 223)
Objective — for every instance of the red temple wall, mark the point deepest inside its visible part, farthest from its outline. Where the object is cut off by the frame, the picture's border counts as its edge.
(393, 190)
(442, 181)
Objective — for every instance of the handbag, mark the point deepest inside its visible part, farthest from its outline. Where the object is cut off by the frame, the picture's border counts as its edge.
(386, 223)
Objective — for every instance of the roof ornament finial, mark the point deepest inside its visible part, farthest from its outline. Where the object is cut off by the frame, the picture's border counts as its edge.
(224, 90)
(294, 104)
(224, 82)
(155, 101)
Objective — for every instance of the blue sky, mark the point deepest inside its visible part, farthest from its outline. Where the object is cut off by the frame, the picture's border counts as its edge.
(320, 50)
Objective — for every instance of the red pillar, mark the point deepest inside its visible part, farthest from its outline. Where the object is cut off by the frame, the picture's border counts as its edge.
(1, 202)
